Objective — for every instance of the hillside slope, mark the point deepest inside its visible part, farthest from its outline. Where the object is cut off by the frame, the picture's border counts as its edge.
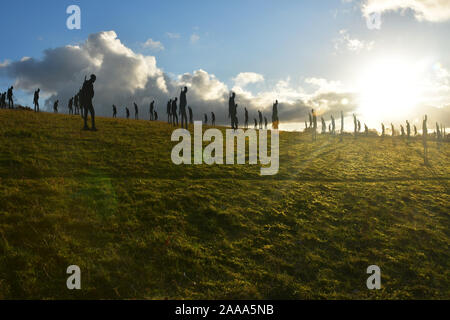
(139, 226)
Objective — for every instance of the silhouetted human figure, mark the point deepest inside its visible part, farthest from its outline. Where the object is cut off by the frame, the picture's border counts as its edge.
(355, 123)
(36, 100)
(333, 126)
(114, 111)
(438, 133)
(275, 119)
(213, 119)
(10, 98)
(366, 129)
(183, 104)
(408, 129)
(382, 130)
(3, 100)
(310, 120)
(55, 106)
(245, 118)
(156, 116)
(260, 119)
(191, 115)
(174, 111)
(76, 105)
(127, 112)
(152, 108)
(86, 96)
(206, 118)
(329, 128)
(136, 111)
(81, 104)
(306, 125)
(265, 123)
(256, 123)
(169, 111)
(424, 140)
(314, 131)
(231, 105)
(324, 125)
(232, 110)
(234, 117)
(415, 130)
(359, 126)
(70, 106)
(402, 130)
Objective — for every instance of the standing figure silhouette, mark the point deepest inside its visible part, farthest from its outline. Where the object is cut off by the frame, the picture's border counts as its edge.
(408, 129)
(75, 103)
(183, 104)
(152, 108)
(36, 100)
(245, 118)
(191, 116)
(55, 106)
(260, 119)
(232, 110)
(169, 111)
(314, 131)
(136, 111)
(70, 105)
(275, 120)
(424, 140)
(10, 98)
(333, 126)
(174, 111)
(86, 96)
(114, 111)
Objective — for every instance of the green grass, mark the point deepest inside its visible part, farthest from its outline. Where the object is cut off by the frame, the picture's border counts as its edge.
(140, 227)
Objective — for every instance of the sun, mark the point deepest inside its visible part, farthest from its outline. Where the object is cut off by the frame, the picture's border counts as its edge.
(388, 90)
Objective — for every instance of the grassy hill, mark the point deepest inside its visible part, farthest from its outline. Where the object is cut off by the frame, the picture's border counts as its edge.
(138, 226)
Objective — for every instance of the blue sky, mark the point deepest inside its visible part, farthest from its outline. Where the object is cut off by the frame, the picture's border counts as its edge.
(261, 36)
(281, 40)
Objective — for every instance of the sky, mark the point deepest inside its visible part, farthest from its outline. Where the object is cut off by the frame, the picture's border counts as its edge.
(384, 60)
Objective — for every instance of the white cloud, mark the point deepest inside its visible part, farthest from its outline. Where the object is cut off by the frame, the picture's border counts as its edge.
(346, 42)
(424, 10)
(173, 35)
(204, 86)
(245, 78)
(194, 38)
(153, 45)
(325, 86)
(124, 77)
